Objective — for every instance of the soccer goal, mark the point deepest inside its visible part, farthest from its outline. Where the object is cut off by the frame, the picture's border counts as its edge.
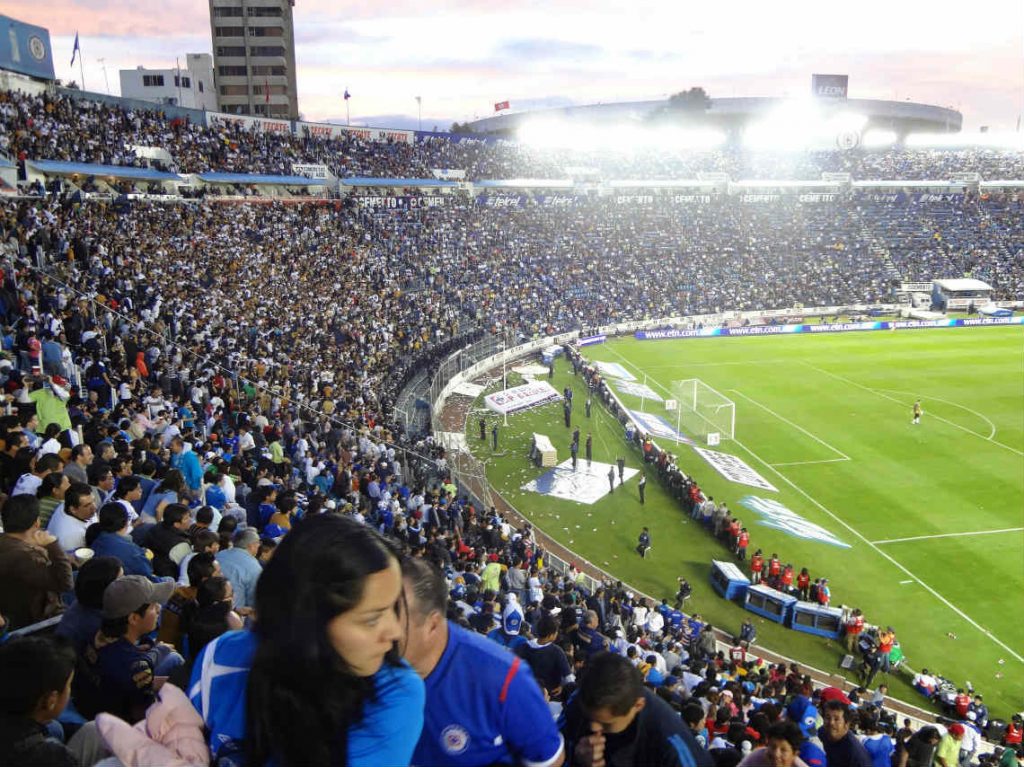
(702, 411)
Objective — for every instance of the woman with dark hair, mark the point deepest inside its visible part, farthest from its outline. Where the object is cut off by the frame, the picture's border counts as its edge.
(110, 537)
(321, 682)
(170, 490)
(213, 615)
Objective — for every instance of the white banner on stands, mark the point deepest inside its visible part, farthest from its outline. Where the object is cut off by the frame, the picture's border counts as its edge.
(310, 170)
(258, 124)
(330, 130)
(521, 397)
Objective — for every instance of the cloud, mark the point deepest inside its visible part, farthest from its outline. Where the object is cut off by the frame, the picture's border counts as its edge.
(539, 49)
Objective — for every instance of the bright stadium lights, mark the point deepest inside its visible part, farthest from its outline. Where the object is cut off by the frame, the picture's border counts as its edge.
(790, 127)
(876, 139)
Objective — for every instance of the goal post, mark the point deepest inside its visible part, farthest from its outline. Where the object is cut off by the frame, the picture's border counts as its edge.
(702, 410)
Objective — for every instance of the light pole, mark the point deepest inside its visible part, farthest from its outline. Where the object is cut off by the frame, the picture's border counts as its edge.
(419, 106)
(102, 62)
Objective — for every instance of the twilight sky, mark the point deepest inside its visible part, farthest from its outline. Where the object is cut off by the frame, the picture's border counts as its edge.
(461, 56)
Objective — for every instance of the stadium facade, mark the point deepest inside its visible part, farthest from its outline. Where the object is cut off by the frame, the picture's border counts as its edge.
(732, 115)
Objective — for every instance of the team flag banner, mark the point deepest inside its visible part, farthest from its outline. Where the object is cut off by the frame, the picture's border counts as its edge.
(778, 517)
(501, 105)
(638, 390)
(734, 469)
(521, 397)
(657, 426)
(615, 370)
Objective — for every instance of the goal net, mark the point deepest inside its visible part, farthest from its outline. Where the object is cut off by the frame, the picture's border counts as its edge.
(702, 411)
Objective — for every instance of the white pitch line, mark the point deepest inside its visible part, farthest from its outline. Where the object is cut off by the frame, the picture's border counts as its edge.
(951, 404)
(1013, 653)
(819, 440)
(949, 535)
(880, 393)
(810, 463)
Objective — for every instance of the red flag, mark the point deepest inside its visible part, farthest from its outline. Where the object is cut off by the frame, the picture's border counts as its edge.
(501, 105)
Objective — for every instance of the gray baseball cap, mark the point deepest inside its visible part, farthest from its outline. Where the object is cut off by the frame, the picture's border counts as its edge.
(130, 592)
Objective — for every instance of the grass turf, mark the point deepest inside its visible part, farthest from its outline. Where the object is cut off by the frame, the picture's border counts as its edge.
(817, 398)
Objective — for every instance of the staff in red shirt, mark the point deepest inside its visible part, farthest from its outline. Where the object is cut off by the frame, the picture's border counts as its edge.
(756, 566)
(741, 544)
(787, 579)
(803, 584)
(774, 568)
(854, 627)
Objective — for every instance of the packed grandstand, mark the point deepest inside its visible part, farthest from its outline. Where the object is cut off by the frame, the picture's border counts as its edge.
(190, 371)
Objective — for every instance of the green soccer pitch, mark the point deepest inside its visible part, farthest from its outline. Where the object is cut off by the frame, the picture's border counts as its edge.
(933, 514)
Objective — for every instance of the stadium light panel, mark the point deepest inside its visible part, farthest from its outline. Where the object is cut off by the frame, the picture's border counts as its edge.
(879, 138)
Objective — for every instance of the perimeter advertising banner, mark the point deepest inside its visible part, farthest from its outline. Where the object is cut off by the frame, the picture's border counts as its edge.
(829, 86)
(25, 48)
(836, 327)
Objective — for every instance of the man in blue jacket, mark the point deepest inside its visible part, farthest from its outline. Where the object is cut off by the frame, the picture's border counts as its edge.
(186, 461)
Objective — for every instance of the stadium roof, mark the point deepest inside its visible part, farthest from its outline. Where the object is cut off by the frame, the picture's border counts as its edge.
(369, 181)
(899, 116)
(255, 178)
(57, 168)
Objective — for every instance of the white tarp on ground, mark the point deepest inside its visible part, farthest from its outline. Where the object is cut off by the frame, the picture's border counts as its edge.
(585, 485)
(638, 390)
(615, 370)
(529, 372)
(734, 469)
(468, 389)
(521, 397)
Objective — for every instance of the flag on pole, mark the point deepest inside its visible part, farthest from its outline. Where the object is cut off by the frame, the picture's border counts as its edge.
(347, 95)
(266, 85)
(75, 51)
(501, 105)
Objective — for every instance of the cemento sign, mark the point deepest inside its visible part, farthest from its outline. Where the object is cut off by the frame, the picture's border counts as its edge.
(777, 516)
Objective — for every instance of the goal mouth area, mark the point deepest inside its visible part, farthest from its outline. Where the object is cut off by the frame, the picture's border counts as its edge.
(702, 410)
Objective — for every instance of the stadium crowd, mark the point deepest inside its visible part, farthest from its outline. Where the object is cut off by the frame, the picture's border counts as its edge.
(72, 128)
(205, 483)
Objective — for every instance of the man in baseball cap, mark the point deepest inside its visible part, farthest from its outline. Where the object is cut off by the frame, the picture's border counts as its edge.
(123, 670)
(948, 753)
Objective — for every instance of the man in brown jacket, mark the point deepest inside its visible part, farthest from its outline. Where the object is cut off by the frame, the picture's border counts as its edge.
(34, 570)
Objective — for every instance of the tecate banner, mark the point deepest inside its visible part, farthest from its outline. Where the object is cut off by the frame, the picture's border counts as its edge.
(521, 397)
(829, 86)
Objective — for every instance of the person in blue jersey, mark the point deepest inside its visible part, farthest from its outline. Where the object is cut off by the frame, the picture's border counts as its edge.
(484, 706)
(317, 681)
(613, 719)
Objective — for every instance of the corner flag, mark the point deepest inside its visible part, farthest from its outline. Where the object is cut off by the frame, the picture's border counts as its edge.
(75, 51)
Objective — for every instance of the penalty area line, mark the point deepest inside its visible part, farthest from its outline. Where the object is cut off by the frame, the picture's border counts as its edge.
(948, 535)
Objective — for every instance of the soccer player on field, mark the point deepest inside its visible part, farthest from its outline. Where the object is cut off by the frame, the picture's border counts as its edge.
(917, 412)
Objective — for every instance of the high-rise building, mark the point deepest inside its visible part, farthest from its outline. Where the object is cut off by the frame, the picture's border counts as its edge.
(254, 57)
